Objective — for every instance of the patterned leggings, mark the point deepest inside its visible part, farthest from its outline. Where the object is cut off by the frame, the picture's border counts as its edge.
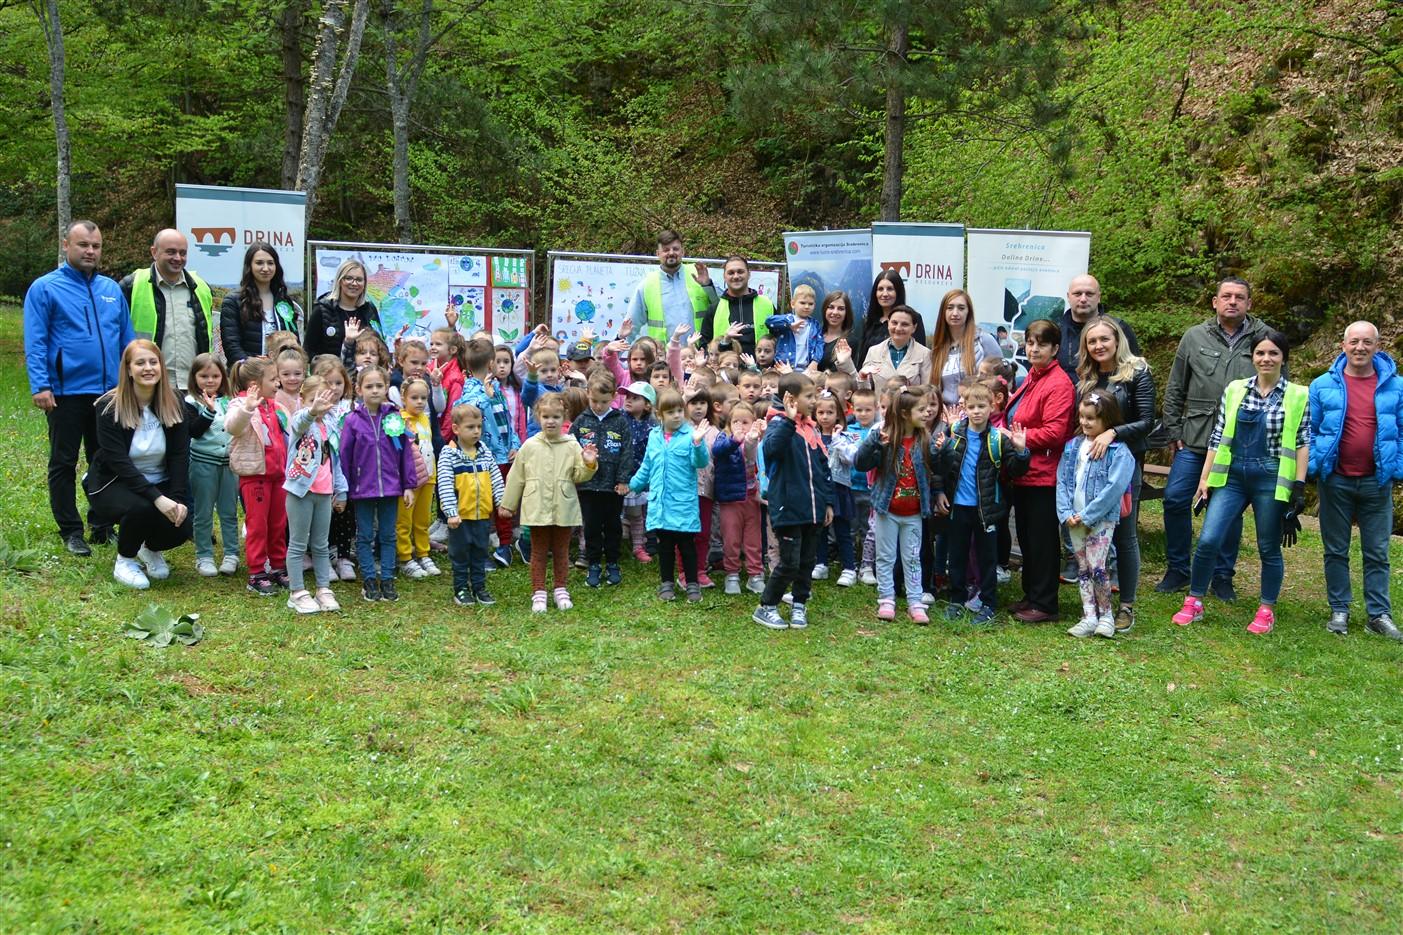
(1092, 547)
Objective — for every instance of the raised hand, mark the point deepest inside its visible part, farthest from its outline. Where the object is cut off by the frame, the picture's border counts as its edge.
(782, 367)
(1019, 437)
(254, 399)
(842, 351)
(322, 403)
(353, 330)
(209, 401)
(748, 360)
(701, 274)
(590, 453)
(587, 334)
(450, 315)
(791, 406)
(626, 329)
(736, 329)
(679, 332)
(617, 347)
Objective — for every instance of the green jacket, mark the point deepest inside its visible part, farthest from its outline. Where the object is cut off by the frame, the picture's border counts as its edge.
(1204, 365)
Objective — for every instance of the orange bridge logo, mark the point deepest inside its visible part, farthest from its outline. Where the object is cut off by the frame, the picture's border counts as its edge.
(214, 241)
(902, 268)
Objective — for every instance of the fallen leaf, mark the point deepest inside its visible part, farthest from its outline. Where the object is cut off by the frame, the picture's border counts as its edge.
(741, 767)
(1171, 686)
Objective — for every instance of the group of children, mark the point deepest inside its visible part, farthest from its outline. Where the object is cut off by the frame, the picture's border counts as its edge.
(350, 459)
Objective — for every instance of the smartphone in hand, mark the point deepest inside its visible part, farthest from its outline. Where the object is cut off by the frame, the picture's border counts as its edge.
(1200, 505)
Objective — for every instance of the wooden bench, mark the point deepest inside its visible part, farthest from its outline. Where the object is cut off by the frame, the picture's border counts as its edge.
(1149, 491)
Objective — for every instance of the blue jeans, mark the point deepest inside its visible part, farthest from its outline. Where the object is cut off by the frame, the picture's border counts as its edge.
(903, 534)
(370, 513)
(1250, 481)
(1179, 521)
(1341, 500)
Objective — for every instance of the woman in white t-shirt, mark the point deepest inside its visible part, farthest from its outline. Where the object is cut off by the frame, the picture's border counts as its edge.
(139, 478)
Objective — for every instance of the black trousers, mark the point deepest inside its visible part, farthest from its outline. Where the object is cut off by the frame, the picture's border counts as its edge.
(72, 422)
(1035, 518)
(138, 521)
(965, 530)
(669, 544)
(798, 553)
(600, 510)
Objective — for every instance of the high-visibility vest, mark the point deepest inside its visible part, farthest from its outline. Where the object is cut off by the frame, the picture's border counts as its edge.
(653, 303)
(761, 309)
(1297, 397)
(143, 304)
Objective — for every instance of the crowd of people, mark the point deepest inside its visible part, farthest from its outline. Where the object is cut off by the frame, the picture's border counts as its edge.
(715, 432)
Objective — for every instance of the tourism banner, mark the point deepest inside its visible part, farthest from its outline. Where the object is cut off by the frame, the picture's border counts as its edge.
(829, 261)
(1019, 276)
(595, 290)
(414, 286)
(930, 258)
(222, 223)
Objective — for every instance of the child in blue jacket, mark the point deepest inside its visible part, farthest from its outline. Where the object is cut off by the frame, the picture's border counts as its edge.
(669, 470)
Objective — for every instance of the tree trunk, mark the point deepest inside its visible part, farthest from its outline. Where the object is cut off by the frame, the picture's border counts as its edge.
(894, 134)
(401, 81)
(294, 88)
(49, 21)
(325, 98)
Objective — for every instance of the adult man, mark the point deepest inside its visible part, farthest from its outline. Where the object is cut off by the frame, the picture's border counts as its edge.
(667, 297)
(1356, 408)
(76, 325)
(1083, 304)
(171, 305)
(739, 318)
(1210, 356)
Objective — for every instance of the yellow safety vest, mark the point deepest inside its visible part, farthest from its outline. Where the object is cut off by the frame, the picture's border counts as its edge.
(1297, 397)
(653, 303)
(143, 304)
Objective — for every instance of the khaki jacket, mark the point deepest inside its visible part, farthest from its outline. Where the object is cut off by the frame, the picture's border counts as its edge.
(542, 481)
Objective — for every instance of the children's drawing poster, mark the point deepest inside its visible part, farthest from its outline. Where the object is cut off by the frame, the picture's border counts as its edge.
(595, 292)
(413, 289)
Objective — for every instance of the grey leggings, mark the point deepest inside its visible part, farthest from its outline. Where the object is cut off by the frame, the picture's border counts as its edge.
(308, 523)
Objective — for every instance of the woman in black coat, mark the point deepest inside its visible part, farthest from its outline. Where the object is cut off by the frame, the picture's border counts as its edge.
(346, 301)
(139, 478)
(1105, 364)
(888, 291)
(259, 307)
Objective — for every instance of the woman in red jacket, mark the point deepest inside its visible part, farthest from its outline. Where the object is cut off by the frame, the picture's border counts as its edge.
(1044, 406)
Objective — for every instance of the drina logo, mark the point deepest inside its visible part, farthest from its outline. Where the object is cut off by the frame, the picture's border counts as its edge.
(210, 240)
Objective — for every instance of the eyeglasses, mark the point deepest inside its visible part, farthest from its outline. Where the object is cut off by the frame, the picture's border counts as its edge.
(353, 280)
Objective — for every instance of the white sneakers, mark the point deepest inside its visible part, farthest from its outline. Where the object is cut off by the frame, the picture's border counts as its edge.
(128, 571)
(155, 562)
(847, 579)
(230, 564)
(303, 603)
(205, 568)
(344, 569)
(417, 568)
(868, 576)
(820, 572)
(429, 567)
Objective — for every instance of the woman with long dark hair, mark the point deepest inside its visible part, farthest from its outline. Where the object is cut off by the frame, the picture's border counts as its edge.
(888, 292)
(345, 301)
(837, 324)
(260, 306)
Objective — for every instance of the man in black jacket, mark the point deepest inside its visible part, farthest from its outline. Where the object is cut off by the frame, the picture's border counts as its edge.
(1083, 304)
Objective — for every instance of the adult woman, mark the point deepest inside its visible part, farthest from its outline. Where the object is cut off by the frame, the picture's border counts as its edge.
(139, 478)
(900, 353)
(346, 301)
(957, 347)
(258, 307)
(1105, 362)
(888, 292)
(1259, 455)
(1044, 405)
(837, 322)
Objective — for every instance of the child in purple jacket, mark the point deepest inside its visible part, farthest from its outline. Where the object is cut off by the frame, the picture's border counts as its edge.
(378, 464)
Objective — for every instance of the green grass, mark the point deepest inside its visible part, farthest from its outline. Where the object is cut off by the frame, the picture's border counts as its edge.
(631, 767)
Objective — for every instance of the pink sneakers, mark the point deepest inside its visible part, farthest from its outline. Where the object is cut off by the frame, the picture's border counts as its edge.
(886, 610)
(918, 613)
(1191, 612)
(1263, 622)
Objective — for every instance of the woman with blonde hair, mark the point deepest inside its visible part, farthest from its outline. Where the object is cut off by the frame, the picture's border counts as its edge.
(956, 349)
(345, 302)
(139, 478)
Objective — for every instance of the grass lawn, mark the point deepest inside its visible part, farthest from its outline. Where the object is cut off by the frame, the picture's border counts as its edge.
(634, 767)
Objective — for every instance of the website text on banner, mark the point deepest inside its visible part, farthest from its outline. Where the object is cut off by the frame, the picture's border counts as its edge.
(414, 286)
(832, 261)
(595, 290)
(1019, 276)
(222, 223)
(930, 258)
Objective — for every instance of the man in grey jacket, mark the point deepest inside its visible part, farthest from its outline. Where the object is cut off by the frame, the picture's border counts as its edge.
(1210, 356)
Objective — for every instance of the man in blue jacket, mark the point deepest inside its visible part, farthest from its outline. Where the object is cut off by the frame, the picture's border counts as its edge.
(76, 325)
(1355, 415)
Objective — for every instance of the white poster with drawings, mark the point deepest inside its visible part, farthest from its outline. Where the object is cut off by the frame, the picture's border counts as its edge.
(413, 289)
(596, 291)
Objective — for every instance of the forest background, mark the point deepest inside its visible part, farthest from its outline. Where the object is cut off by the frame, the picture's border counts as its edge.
(1192, 139)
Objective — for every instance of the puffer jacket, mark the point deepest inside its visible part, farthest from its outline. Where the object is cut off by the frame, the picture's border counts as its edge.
(872, 456)
(610, 434)
(375, 464)
(1047, 404)
(1107, 479)
(1137, 409)
(669, 473)
(1204, 365)
(732, 466)
(326, 325)
(800, 487)
(1328, 409)
(241, 338)
(998, 463)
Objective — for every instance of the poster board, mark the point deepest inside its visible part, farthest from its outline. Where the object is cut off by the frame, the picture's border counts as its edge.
(222, 223)
(930, 258)
(1019, 276)
(596, 290)
(832, 260)
(413, 285)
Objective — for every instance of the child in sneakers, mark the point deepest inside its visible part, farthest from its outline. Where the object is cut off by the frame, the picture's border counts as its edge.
(602, 496)
(542, 485)
(480, 389)
(1089, 492)
(638, 408)
(906, 488)
(668, 471)
(314, 486)
(265, 501)
(470, 489)
(213, 485)
(378, 464)
(412, 527)
(800, 499)
(738, 494)
(977, 466)
(842, 450)
(343, 523)
(698, 406)
(864, 419)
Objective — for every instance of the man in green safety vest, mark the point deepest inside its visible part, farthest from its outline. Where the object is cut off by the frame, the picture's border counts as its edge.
(739, 319)
(171, 305)
(667, 297)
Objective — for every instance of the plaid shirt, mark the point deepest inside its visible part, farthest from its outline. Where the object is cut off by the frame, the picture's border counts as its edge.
(1274, 405)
